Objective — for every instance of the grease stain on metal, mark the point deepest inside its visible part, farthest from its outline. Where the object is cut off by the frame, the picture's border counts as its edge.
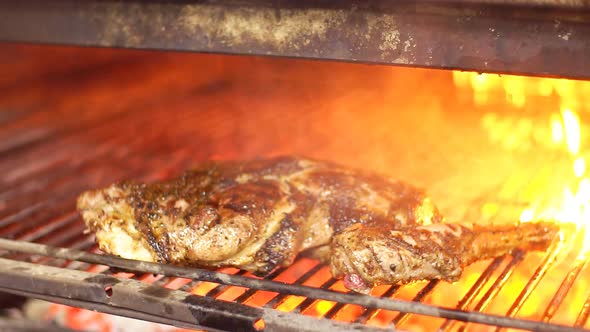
(279, 29)
(103, 280)
(156, 291)
(565, 36)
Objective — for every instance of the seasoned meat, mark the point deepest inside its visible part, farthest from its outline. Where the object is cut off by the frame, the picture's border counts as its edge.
(258, 215)
(368, 255)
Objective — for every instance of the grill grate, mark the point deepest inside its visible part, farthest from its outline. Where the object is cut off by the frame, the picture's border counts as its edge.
(162, 121)
(224, 310)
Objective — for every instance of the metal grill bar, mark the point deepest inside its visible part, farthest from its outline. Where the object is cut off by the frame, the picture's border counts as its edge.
(108, 309)
(554, 251)
(496, 286)
(370, 313)
(584, 313)
(86, 165)
(93, 287)
(11, 219)
(249, 293)
(279, 299)
(22, 325)
(309, 292)
(564, 288)
(102, 125)
(518, 256)
(334, 310)
(307, 303)
(222, 287)
(32, 169)
(190, 285)
(68, 132)
(402, 316)
(156, 303)
(477, 286)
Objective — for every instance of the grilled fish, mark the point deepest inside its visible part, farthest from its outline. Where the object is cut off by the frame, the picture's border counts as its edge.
(258, 215)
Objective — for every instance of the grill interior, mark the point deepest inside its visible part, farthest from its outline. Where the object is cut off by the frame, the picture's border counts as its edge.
(74, 119)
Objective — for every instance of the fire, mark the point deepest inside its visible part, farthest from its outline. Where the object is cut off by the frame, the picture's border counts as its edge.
(568, 202)
(565, 133)
(579, 167)
(556, 129)
(575, 204)
(571, 124)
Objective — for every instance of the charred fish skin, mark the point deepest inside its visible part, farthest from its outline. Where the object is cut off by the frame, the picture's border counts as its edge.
(258, 215)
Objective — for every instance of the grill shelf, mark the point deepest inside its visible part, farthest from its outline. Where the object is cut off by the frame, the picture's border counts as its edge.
(12, 269)
(118, 129)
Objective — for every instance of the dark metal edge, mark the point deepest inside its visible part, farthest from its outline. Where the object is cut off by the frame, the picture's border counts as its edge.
(156, 301)
(25, 325)
(268, 285)
(105, 308)
(469, 36)
(135, 299)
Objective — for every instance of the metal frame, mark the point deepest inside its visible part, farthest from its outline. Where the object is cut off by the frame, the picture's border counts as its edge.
(136, 299)
(534, 37)
(25, 325)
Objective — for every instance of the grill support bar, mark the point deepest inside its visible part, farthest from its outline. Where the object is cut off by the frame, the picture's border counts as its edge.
(135, 299)
(310, 292)
(529, 36)
(191, 311)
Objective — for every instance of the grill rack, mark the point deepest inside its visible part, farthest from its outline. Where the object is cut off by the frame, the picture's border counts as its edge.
(94, 291)
(37, 190)
(253, 284)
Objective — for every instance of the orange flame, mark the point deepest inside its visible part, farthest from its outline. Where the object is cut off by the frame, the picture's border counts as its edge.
(565, 134)
(575, 203)
(563, 196)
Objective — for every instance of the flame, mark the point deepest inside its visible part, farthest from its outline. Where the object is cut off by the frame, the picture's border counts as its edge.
(575, 203)
(556, 129)
(571, 124)
(565, 134)
(259, 325)
(479, 83)
(322, 307)
(561, 193)
(514, 86)
(579, 167)
(527, 215)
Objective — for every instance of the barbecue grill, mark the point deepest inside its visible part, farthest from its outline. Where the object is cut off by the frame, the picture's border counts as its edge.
(83, 118)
